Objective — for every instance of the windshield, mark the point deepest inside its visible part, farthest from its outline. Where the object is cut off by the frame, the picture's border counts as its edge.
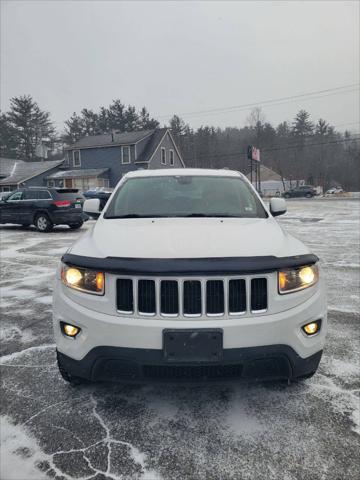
(185, 196)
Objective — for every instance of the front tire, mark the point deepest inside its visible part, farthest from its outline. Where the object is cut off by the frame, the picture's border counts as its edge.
(287, 195)
(43, 223)
(76, 226)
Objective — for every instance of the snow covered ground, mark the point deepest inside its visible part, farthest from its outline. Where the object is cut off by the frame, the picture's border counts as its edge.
(309, 430)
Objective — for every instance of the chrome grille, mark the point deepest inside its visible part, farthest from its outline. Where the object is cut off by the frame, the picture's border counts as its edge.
(125, 298)
(146, 297)
(237, 296)
(215, 297)
(169, 297)
(192, 297)
(258, 294)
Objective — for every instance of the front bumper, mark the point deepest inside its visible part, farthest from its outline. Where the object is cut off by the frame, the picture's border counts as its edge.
(68, 217)
(130, 364)
(111, 346)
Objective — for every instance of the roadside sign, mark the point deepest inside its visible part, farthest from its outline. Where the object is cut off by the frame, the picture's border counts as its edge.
(253, 153)
(256, 154)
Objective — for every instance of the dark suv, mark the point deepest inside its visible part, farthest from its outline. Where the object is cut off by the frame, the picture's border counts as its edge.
(303, 191)
(43, 207)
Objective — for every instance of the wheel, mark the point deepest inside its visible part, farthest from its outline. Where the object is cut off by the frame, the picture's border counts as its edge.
(308, 195)
(287, 195)
(75, 226)
(43, 223)
(73, 380)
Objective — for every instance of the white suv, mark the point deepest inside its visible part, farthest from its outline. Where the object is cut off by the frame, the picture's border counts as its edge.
(186, 275)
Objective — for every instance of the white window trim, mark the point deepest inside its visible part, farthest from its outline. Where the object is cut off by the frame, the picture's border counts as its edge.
(79, 164)
(171, 154)
(122, 154)
(67, 159)
(163, 149)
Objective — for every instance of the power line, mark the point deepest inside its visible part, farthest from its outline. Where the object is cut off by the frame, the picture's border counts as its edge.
(285, 147)
(275, 101)
(273, 104)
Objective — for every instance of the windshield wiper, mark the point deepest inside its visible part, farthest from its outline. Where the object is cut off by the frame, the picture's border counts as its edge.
(135, 215)
(129, 215)
(216, 215)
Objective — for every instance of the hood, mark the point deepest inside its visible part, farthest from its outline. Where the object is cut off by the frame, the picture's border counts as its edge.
(187, 238)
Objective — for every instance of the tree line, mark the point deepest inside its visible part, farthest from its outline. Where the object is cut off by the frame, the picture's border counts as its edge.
(298, 150)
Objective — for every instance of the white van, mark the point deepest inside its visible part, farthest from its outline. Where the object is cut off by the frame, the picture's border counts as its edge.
(186, 275)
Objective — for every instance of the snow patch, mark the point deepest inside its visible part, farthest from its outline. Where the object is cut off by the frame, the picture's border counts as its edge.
(19, 452)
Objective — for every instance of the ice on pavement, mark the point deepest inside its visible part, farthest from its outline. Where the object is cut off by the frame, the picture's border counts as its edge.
(308, 430)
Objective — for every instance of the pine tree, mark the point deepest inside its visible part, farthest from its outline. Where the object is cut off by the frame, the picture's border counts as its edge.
(322, 127)
(302, 126)
(8, 141)
(74, 129)
(145, 122)
(29, 124)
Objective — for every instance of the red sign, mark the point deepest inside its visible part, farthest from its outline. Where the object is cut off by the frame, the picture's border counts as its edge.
(256, 154)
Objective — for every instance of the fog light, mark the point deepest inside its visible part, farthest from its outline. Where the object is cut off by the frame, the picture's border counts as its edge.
(70, 330)
(312, 328)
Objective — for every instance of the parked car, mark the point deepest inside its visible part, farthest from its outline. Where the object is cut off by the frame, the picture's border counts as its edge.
(303, 191)
(4, 195)
(186, 275)
(334, 191)
(43, 207)
(102, 193)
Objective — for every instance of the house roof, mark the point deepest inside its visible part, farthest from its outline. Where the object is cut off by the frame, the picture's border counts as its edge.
(91, 172)
(152, 145)
(13, 172)
(6, 166)
(266, 174)
(111, 139)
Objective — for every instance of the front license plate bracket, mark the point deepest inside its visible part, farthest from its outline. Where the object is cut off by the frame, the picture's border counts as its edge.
(193, 345)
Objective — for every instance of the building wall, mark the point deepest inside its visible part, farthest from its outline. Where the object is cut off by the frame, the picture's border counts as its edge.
(168, 145)
(107, 157)
(40, 180)
(110, 157)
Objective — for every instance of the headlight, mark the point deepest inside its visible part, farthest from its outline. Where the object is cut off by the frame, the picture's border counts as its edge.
(82, 279)
(297, 278)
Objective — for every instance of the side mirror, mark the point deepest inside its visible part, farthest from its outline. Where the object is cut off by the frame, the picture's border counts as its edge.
(277, 206)
(92, 207)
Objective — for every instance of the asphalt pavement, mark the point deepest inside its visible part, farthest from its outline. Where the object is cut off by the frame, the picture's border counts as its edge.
(306, 430)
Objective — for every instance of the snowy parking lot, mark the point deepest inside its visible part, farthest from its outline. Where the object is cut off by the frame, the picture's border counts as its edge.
(307, 430)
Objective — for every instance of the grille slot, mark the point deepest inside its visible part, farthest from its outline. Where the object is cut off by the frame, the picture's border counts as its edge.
(215, 297)
(192, 298)
(124, 295)
(192, 371)
(169, 297)
(146, 297)
(237, 296)
(259, 297)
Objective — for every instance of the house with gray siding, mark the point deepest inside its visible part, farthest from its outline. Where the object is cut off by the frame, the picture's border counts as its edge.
(18, 173)
(101, 160)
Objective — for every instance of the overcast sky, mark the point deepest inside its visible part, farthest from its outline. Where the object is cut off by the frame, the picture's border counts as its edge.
(179, 57)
